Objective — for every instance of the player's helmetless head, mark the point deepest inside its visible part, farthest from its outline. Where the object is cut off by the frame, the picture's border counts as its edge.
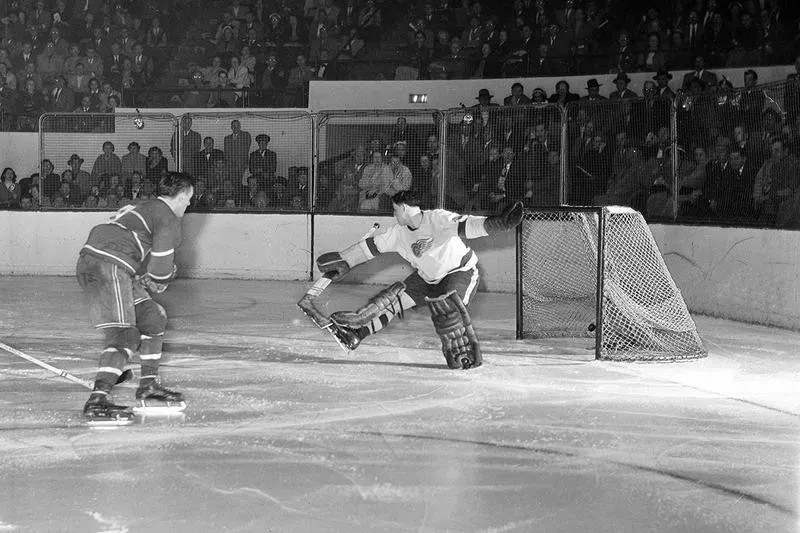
(405, 206)
(177, 190)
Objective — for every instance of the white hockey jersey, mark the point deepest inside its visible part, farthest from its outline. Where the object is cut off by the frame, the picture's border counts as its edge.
(435, 249)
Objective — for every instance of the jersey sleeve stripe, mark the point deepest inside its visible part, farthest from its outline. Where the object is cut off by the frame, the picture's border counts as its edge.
(373, 249)
(141, 218)
(162, 254)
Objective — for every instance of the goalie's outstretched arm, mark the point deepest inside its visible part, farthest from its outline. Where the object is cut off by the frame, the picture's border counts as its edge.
(473, 226)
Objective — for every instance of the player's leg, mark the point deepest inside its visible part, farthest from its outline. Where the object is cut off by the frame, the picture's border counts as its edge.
(452, 321)
(151, 319)
(354, 326)
(109, 295)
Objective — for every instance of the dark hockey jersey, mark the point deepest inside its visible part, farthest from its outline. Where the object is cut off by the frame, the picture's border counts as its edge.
(140, 238)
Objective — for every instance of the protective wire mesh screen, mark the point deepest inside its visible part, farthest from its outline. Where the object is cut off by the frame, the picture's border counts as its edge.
(498, 155)
(248, 161)
(103, 160)
(559, 273)
(367, 156)
(619, 152)
(727, 137)
(644, 317)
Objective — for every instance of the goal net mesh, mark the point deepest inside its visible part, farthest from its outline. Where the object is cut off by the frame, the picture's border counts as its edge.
(644, 317)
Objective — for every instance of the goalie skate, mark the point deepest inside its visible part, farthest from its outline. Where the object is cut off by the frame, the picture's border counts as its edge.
(347, 339)
(153, 399)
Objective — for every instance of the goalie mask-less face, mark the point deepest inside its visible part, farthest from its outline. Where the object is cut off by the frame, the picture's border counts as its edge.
(407, 215)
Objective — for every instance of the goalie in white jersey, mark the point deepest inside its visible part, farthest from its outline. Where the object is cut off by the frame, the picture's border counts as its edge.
(445, 277)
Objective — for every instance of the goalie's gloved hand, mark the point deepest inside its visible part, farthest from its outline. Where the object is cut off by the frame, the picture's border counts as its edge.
(333, 265)
(508, 219)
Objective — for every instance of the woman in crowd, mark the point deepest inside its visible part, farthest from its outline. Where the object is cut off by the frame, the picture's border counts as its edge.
(156, 164)
(9, 190)
(374, 181)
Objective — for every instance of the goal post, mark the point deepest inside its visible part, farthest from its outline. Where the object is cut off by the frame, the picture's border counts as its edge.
(596, 272)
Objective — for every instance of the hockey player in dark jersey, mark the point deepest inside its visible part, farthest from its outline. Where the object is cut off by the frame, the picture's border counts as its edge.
(445, 276)
(121, 264)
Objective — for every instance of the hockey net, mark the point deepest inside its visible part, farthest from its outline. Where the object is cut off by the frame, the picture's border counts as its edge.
(597, 272)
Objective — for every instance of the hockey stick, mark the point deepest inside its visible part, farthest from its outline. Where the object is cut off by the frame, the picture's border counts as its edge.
(51, 368)
(306, 303)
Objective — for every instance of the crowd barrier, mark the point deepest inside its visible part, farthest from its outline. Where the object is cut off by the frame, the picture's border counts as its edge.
(727, 157)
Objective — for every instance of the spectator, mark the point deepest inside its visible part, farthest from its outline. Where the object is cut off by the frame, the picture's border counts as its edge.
(155, 166)
(10, 192)
(8, 76)
(621, 81)
(708, 78)
(297, 187)
(629, 184)
(205, 158)
(623, 58)
(729, 195)
(72, 59)
(654, 57)
(509, 185)
(134, 189)
(478, 196)
(37, 200)
(273, 82)
(93, 63)
(775, 185)
(133, 161)
(517, 97)
(375, 179)
(156, 38)
(563, 96)
(345, 198)
(663, 89)
(191, 143)
(65, 197)
(50, 181)
(263, 162)
(237, 149)
(28, 72)
(107, 162)
(49, 64)
(62, 98)
(239, 78)
(82, 179)
(488, 65)
(593, 91)
(297, 85)
(30, 105)
(401, 176)
(224, 96)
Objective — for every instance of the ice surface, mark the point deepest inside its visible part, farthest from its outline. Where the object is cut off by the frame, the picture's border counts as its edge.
(285, 433)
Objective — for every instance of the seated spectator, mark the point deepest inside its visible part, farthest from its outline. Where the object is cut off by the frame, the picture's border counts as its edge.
(37, 200)
(297, 185)
(155, 165)
(279, 199)
(273, 82)
(65, 197)
(10, 192)
(300, 75)
(9, 77)
(775, 185)
(61, 98)
(133, 161)
(623, 58)
(653, 58)
(345, 198)
(224, 96)
(30, 106)
(708, 78)
(202, 200)
(629, 185)
(259, 202)
(26, 203)
(508, 186)
(517, 96)
(107, 162)
(50, 181)
(374, 182)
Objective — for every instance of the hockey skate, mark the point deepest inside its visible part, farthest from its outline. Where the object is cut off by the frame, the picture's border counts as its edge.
(348, 339)
(99, 411)
(153, 399)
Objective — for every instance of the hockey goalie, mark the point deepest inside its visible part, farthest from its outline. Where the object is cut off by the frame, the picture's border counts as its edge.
(445, 276)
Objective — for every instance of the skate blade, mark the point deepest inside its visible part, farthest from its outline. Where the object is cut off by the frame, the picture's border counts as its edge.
(160, 409)
(329, 329)
(110, 423)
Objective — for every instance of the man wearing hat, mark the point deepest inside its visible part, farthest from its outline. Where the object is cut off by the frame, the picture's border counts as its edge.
(263, 162)
(663, 89)
(593, 88)
(81, 178)
(621, 81)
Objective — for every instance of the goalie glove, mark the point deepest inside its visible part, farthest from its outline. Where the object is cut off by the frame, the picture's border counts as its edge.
(333, 265)
(508, 219)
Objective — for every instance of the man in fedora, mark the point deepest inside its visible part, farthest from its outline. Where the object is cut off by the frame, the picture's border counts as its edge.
(663, 89)
(484, 98)
(80, 178)
(263, 162)
(621, 81)
(593, 88)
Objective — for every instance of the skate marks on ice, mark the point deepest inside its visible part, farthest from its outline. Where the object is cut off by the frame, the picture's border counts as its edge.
(111, 525)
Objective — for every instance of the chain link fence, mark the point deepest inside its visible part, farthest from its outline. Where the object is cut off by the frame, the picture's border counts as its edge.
(721, 156)
(248, 161)
(101, 160)
(364, 157)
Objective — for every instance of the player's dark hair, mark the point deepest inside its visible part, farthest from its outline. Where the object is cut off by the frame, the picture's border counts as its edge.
(406, 197)
(174, 183)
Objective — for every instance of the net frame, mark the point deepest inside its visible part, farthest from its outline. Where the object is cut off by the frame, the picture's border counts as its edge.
(614, 309)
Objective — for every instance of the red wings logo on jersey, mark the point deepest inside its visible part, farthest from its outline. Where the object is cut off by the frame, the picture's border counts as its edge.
(421, 246)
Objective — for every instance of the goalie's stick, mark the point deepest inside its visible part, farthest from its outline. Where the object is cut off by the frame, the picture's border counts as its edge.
(306, 303)
(62, 373)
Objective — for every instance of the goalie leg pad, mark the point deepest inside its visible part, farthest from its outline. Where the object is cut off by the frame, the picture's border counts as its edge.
(389, 299)
(454, 326)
